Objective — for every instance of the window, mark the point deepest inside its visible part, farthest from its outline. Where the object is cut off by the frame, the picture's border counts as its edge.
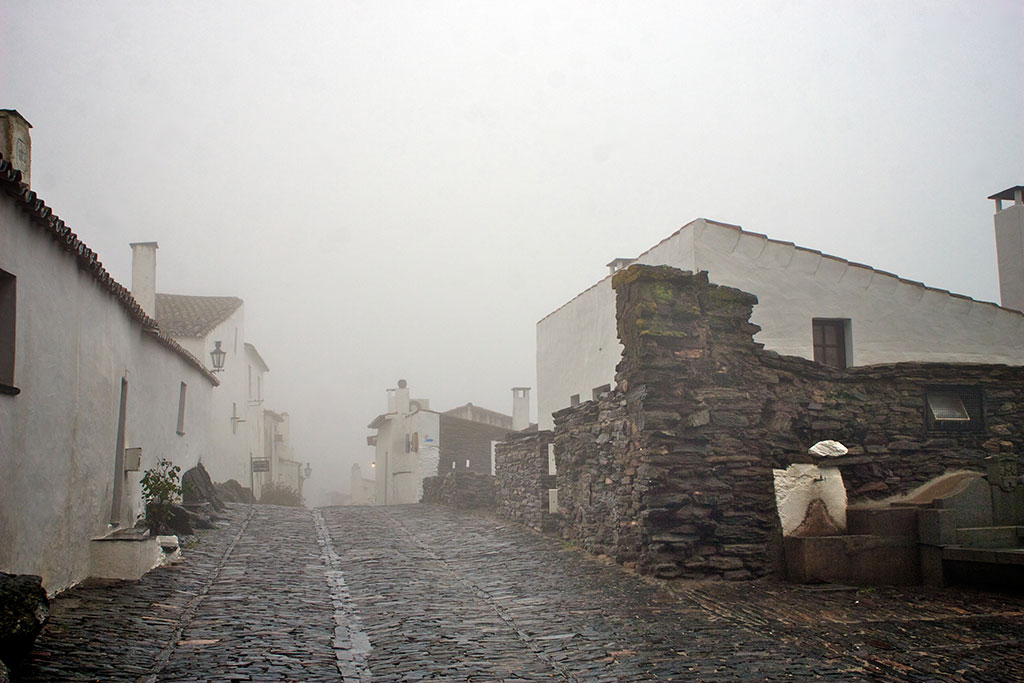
(954, 409)
(8, 302)
(574, 400)
(830, 342)
(181, 409)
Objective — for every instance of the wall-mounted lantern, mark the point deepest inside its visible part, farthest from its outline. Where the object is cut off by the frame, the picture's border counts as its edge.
(217, 356)
(309, 470)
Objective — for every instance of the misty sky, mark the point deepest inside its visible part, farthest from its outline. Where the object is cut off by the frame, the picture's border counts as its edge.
(402, 189)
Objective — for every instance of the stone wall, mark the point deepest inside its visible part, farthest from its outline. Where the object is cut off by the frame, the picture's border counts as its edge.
(521, 468)
(462, 490)
(465, 440)
(879, 413)
(673, 470)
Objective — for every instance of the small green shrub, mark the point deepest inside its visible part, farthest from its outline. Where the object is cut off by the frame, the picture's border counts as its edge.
(160, 491)
(279, 494)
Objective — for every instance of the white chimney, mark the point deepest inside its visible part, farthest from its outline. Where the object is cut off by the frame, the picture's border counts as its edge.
(402, 398)
(15, 142)
(144, 276)
(1010, 246)
(520, 408)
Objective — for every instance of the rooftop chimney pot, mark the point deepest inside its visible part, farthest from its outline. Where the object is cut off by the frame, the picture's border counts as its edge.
(144, 276)
(16, 143)
(1009, 224)
(520, 408)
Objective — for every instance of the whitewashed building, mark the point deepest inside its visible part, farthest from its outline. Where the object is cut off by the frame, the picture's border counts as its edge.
(86, 378)
(414, 442)
(810, 304)
(285, 470)
(204, 325)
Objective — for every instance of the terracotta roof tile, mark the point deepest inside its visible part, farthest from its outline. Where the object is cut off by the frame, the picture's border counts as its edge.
(87, 260)
(182, 315)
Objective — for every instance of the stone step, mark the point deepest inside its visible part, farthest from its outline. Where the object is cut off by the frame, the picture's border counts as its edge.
(990, 536)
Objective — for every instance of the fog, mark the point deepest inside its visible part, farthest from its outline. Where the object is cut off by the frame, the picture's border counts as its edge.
(402, 189)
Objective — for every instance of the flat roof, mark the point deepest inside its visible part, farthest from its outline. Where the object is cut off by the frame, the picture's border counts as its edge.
(1007, 193)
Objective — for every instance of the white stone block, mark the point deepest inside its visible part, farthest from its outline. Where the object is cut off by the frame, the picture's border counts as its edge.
(797, 486)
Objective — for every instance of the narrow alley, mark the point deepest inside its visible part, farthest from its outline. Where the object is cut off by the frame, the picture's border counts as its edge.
(422, 593)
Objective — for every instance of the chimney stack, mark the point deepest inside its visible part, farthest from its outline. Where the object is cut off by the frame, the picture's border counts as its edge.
(520, 408)
(15, 142)
(144, 276)
(1009, 223)
(402, 398)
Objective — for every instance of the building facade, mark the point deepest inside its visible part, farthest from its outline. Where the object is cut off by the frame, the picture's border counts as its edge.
(87, 378)
(810, 304)
(413, 442)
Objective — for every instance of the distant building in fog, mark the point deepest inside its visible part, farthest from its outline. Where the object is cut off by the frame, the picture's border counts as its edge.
(413, 442)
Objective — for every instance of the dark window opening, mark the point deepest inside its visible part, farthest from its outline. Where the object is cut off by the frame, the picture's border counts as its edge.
(8, 303)
(830, 342)
(954, 409)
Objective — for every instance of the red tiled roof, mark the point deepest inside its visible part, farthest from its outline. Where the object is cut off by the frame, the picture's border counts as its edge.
(87, 260)
(182, 315)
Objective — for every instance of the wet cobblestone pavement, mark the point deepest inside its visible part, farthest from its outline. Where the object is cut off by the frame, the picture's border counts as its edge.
(422, 593)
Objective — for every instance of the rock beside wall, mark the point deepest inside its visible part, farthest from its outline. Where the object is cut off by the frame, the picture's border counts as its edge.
(24, 609)
(462, 490)
(198, 488)
(521, 469)
(231, 491)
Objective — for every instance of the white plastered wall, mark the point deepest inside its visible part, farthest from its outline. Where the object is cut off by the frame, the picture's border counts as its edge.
(399, 475)
(74, 344)
(892, 320)
(231, 441)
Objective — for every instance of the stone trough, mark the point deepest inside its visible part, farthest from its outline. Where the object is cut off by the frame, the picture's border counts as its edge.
(960, 527)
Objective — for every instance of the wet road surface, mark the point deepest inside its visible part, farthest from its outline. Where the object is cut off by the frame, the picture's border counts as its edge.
(412, 593)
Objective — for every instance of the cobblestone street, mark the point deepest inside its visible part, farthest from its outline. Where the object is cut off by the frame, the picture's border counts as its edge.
(424, 593)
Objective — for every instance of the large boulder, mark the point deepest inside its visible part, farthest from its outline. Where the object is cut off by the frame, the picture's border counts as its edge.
(23, 611)
(232, 492)
(199, 488)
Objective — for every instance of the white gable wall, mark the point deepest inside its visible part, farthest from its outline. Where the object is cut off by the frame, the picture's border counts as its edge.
(891, 319)
(74, 344)
(399, 475)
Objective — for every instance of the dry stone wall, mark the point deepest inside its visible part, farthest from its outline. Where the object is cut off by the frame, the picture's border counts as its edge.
(521, 468)
(463, 490)
(673, 470)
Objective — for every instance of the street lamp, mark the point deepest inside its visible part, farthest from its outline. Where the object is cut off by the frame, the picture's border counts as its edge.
(217, 356)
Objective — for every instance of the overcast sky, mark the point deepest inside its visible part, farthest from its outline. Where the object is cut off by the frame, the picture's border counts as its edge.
(403, 189)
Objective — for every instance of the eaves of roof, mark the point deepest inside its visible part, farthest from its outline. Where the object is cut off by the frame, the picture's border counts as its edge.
(380, 420)
(256, 356)
(852, 264)
(481, 409)
(45, 220)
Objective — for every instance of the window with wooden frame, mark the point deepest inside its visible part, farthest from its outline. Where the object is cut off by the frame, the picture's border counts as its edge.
(830, 341)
